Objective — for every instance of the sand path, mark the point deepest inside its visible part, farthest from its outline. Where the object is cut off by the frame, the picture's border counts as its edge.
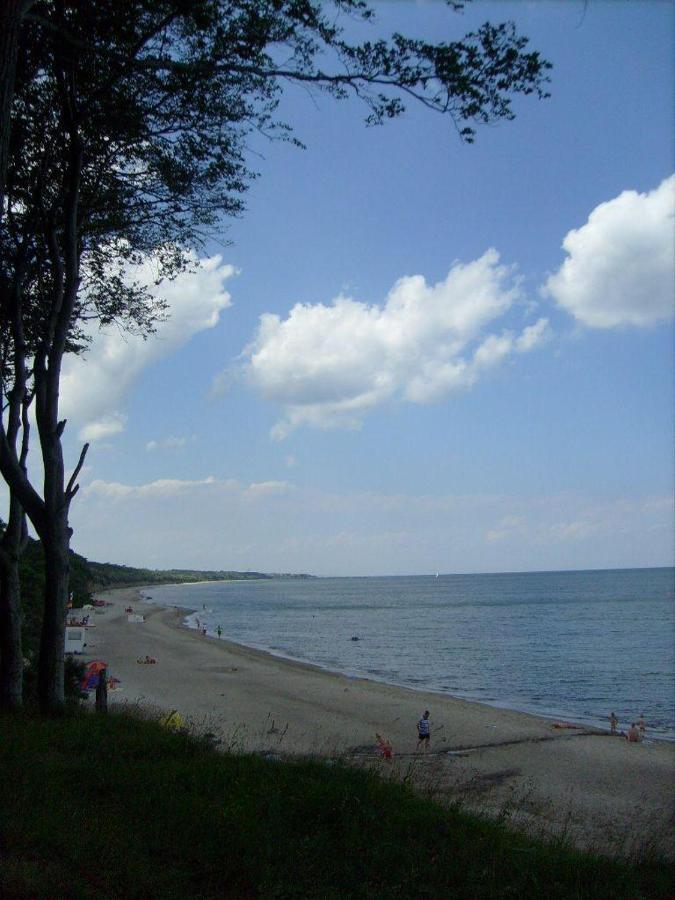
(599, 789)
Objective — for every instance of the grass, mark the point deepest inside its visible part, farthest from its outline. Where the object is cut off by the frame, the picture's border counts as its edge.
(94, 806)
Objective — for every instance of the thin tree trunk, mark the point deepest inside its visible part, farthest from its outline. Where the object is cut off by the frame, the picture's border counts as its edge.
(55, 545)
(11, 652)
(11, 15)
(12, 546)
(55, 537)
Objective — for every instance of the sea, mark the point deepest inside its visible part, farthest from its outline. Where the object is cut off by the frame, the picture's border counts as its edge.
(569, 645)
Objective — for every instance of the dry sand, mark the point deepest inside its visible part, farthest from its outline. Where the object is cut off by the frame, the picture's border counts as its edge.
(597, 788)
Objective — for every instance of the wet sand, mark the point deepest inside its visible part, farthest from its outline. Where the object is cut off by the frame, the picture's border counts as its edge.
(597, 788)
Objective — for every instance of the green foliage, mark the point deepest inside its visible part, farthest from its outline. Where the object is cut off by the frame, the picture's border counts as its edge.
(111, 575)
(149, 105)
(32, 577)
(110, 805)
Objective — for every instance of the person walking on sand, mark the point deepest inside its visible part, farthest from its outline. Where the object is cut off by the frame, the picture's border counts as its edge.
(424, 732)
(642, 725)
(219, 631)
(613, 722)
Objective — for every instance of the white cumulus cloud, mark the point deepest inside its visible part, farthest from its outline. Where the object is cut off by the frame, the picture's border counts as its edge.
(327, 365)
(94, 387)
(619, 268)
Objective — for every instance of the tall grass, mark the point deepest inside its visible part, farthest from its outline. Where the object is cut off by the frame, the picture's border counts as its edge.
(94, 806)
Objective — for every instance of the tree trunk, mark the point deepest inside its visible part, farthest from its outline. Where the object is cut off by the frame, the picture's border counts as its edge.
(11, 653)
(11, 15)
(13, 544)
(102, 692)
(55, 545)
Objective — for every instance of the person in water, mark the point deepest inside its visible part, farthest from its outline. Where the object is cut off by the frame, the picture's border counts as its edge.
(424, 732)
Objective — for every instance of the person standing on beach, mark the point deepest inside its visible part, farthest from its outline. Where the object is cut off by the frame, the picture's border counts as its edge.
(219, 630)
(642, 725)
(424, 732)
(613, 722)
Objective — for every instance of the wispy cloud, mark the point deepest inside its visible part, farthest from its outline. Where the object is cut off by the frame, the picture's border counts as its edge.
(170, 443)
(280, 526)
(103, 427)
(265, 489)
(163, 487)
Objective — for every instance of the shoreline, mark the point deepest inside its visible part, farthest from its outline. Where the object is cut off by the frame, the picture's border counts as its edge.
(588, 723)
(293, 660)
(591, 725)
(599, 789)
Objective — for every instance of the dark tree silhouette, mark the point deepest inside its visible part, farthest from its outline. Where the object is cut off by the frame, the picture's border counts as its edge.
(128, 134)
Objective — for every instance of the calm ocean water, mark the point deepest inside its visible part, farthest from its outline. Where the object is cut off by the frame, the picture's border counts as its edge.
(566, 644)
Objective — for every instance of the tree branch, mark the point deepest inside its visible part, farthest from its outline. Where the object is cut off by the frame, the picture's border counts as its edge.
(72, 488)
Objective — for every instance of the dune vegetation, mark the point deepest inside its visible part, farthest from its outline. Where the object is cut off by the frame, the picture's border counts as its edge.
(112, 805)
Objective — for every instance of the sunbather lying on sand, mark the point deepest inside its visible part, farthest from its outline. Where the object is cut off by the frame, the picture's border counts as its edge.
(147, 661)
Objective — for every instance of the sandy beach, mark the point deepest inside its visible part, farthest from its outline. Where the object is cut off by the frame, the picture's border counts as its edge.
(597, 788)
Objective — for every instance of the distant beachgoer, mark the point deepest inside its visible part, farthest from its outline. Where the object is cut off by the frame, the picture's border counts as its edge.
(613, 722)
(384, 747)
(642, 725)
(204, 630)
(424, 732)
(633, 734)
(219, 631)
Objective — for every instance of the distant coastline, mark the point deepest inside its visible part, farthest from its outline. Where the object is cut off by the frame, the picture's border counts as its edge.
(108, 576)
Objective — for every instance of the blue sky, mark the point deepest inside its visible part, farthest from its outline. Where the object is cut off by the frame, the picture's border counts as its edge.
(435, 382)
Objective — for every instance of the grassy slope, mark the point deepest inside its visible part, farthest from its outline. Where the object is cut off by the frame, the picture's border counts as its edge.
(95, 806)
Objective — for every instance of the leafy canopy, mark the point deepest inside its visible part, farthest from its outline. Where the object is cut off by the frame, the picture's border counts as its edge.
(155, 101)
